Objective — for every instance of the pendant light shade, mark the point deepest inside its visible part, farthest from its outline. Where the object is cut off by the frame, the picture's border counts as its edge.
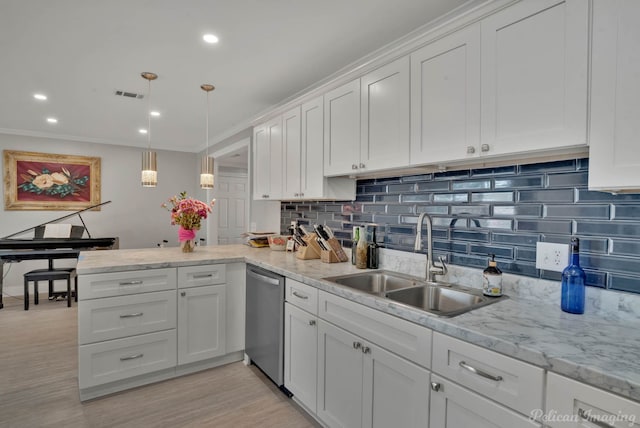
(206, 173)
(149, 169)
(149, 176)
(206, 164)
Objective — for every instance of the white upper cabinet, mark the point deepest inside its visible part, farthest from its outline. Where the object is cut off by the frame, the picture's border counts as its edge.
(291, 150)
(615, 96)
(384, 130)
(342, 129)
(445, 98)
(268, 160)
(534, 77)
(367, 122)
(312, 176)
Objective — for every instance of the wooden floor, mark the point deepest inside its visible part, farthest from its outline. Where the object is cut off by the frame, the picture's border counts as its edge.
(39, 384)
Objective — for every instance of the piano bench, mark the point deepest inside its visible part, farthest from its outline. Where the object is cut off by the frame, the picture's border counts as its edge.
(49, 275)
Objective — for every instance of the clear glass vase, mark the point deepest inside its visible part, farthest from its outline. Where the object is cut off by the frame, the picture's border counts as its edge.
(188, 246)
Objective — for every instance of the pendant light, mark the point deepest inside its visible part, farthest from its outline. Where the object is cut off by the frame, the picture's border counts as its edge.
(206, 164)
(149, 175)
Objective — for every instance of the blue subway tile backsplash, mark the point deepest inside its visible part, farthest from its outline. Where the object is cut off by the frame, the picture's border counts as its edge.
(499, 210)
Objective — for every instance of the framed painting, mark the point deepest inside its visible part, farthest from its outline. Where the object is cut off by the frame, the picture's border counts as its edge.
(45, 181)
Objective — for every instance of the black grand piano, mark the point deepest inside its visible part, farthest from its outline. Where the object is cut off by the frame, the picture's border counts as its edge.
(40, 248)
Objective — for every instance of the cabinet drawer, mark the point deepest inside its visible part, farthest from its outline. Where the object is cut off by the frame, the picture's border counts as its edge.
(123, 283)
(105, 362)
(589, 405)
(302, 295)
(511, 382)
(122, 316)
(196, 276)
(401, 337)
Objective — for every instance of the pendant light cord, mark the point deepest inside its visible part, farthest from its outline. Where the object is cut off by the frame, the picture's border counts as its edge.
(207, 150)
(149, 115)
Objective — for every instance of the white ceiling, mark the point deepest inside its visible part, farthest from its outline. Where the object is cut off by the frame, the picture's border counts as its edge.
(78, 52)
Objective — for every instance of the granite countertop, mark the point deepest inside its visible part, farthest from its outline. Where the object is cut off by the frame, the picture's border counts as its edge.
(601, 351)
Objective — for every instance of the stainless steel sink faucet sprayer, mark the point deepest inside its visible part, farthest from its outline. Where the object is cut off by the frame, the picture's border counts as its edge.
(432, 269)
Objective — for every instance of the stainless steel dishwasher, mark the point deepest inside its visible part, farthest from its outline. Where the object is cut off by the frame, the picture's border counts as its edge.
(264, 331)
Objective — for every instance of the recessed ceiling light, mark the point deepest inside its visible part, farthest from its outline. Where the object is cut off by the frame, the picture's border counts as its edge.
(142, 131)
(52, 120)
(155, 113)
(210, 38)
(40, 97)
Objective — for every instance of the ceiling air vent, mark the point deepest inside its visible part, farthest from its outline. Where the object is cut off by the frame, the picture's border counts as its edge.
(129, 94)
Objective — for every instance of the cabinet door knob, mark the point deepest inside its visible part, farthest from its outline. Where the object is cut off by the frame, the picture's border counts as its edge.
(354, 166)
(471, 150)
(362, 165)
(312, 322)
(436, 386)
(357, 345)
(366, 350)
(484, 147)
(183, 293)
(301, 195)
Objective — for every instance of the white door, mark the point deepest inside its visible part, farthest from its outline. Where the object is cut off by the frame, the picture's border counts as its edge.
(384, 125)
(396, 391)
(534, 67)
(445, 98)
(261, 162)
(342, 129)
(340, 377)
(312, 178)
(291, 152)
(201, 323)
(615, 107)
(276, 158)
(301, 355)
(230, 209)
(453, 406)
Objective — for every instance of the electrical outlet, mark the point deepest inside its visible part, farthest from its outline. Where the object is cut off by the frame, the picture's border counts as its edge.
(553, 257)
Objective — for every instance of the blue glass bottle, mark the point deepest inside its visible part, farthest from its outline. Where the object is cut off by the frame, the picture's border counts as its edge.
(573, 280)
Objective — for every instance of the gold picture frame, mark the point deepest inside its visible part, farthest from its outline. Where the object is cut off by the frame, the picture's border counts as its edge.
(45, 181)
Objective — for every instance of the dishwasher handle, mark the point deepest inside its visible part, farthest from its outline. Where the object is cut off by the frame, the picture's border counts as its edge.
(263, 278)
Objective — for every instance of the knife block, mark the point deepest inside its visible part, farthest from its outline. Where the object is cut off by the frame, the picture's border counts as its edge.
(311, 251)
(335, 254)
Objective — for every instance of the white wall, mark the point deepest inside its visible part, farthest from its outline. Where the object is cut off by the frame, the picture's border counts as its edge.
(134, 215)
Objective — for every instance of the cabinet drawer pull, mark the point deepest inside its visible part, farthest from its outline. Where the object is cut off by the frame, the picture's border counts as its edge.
(183, 293)
(479, 372)
(586, 415)
(300, 296)
(312, 322)
(357, 345)
(137, 314)
(137, 282)
(131, 357)
(208, 275)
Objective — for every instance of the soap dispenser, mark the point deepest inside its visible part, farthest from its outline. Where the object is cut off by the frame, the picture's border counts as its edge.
(492, 279)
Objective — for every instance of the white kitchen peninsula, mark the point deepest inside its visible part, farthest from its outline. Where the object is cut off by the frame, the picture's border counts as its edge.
(592, 349)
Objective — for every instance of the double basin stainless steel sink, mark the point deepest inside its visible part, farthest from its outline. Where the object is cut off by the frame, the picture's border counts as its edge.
(439, 298)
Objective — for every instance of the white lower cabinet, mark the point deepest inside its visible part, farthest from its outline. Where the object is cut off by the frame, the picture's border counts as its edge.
(114, 360)
(201, 323)
(573, 404)
(453, 406)
(143, 326)
(362, 385)
(301, 355)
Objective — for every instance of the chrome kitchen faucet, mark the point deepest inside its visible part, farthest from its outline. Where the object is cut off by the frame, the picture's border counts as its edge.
(432, 269)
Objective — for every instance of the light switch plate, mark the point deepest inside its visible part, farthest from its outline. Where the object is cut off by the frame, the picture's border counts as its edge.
(554, 257)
